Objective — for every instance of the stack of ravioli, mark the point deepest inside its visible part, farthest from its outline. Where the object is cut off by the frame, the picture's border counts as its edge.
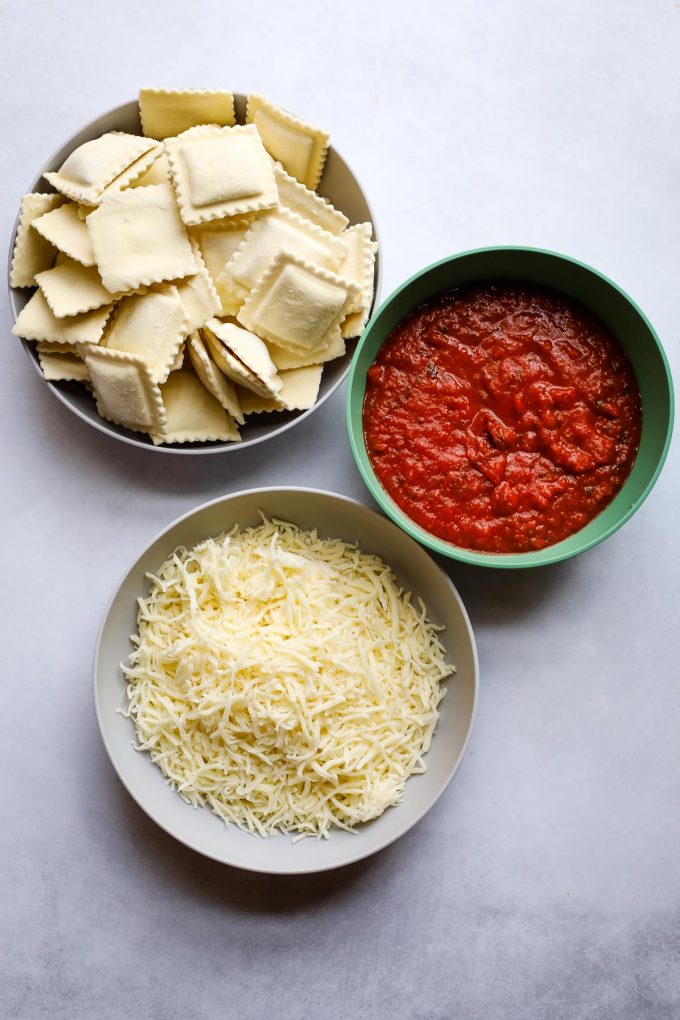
(192, 276)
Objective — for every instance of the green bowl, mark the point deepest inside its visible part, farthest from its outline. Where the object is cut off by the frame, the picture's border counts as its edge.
(581, 283)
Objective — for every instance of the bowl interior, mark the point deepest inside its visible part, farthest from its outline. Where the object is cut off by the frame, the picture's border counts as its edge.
(338, 184)
(602, 297)
(334, 516)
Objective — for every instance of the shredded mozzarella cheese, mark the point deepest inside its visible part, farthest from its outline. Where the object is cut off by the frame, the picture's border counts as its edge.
(284, 680)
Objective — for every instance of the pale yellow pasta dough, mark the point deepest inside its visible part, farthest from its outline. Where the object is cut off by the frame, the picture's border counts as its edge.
(254, 403)
(152, 326)
(359, 261)
(213, 379)
(300, 387)
(269, 235)
(359, 267)
(63, 367)
(32, 252)
(249, 349)
(178, 360)
(37, 321)
(85, 174)
(192, 414)
(307, 203)
(286, 360)
(64, 228)
(220, 172)
(132, 173)
(298, 146)
(124, 389)
(167, 112)
(71, 289)
(297, 305)
(232, 367)
(198, 294)
(353, 325)
(138, 238)
(218, 245)
(45, 347)
(299, 390)
(158, 173)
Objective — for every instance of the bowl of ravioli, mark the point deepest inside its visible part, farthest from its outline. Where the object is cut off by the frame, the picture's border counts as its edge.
(189, 272)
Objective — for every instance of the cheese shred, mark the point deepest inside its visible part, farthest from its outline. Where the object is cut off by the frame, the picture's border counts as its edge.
(284, 680)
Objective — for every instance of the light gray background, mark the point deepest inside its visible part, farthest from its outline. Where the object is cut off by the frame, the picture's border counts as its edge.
(546, 882)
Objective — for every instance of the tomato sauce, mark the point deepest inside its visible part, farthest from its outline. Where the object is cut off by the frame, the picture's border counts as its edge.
(501, 417)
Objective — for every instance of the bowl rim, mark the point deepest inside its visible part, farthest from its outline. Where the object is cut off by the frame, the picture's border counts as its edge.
(185, 449)
(502, 561)
(422, 809)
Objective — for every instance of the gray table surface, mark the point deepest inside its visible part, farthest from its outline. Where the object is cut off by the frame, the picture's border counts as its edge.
(546, 882)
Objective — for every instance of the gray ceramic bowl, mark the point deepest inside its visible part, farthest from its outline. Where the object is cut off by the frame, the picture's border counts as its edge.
(334, 516)
(338, 184)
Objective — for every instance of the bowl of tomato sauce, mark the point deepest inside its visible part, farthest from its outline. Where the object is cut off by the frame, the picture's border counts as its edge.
(509, 407)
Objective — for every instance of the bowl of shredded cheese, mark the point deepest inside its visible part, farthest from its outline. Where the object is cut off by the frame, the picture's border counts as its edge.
(285, 681)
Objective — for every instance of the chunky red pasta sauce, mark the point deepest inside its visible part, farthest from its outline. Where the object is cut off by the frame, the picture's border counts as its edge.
(501, 417)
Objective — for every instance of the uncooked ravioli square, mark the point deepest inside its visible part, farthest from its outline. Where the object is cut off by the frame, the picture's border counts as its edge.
(64, 229)
(138, 238)
(193, 414)
(124, 389)
(220, 172)
(222, 169)
(168, 112)
(32, 252)
(89, 171)
(37, 321)
(298, 146)
(296, 305)
(72, 288)
(151, 326)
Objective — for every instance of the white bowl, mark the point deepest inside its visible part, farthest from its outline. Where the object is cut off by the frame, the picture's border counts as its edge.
(200, 829)
(339, 184)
